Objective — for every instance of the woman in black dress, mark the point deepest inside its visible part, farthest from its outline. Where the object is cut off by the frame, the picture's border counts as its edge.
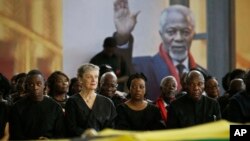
(88, 109)
(137, 113)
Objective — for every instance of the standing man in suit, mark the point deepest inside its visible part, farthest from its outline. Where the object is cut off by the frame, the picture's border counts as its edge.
(177, 29)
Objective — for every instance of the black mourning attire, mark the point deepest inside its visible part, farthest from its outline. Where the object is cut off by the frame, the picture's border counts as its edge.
(184, 111)
(146, 119)
(4, 108)
(80, 117)
(117, 100)
(31, 119)
(239, 107)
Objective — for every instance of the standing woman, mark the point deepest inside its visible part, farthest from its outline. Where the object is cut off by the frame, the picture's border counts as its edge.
(88, 109)
(137, 113)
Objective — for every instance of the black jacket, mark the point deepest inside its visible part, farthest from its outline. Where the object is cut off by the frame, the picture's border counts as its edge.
(239, 108)
(184, 112)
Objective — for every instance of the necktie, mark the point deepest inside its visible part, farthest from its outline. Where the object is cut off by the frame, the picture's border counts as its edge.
(180, 68)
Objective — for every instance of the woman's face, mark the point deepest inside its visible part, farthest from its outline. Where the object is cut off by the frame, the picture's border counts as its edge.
(90, 79)
(137, 89)
(61, 84)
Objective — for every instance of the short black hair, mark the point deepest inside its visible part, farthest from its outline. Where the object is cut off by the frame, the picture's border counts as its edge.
(209, 77)
(134, 76)
(237, 73)
(20, 75)
(109, 42)
(51, 81)
(30, 74)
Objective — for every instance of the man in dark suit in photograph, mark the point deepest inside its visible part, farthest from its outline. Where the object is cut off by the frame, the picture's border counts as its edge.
(177, 29)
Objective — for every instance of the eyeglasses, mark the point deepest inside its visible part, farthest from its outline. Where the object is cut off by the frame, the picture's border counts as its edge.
(109, 86)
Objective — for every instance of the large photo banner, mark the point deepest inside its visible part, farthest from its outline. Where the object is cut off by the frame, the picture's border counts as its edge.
(62, 34)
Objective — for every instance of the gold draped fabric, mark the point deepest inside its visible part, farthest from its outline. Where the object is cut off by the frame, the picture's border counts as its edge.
(30, 36)
(242, 33)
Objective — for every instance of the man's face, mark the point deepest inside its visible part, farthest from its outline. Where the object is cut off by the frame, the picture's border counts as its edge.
(170, 88)
(109, 86)
(195, 85)
(36, 85)
(212, 88)
(177, 35)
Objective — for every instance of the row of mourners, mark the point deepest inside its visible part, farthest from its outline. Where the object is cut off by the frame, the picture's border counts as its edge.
(62, 108)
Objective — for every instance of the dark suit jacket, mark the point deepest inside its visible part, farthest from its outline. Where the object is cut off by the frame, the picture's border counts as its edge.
(239, 107)
(184, 112)
(154, 69)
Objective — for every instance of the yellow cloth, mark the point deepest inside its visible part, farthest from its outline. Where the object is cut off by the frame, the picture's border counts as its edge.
(218, 130)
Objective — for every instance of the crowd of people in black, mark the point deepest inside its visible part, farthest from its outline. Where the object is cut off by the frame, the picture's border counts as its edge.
(34, 108)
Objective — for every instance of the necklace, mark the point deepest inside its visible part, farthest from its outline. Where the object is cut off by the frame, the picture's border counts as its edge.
(88, 99)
